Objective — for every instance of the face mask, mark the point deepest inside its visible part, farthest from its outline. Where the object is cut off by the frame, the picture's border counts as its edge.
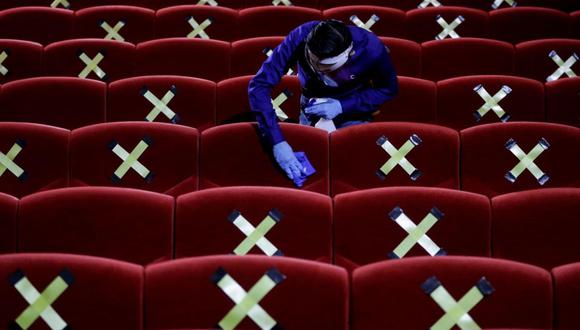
(331, 63)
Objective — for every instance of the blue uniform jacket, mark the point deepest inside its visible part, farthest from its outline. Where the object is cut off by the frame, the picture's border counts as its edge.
(365, 82)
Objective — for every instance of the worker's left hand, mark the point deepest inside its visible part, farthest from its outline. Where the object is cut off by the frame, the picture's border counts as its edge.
(327, 109)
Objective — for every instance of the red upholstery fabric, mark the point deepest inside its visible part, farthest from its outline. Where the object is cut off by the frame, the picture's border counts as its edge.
(160, 4)
(444, 59)
(139, 22)
(249, 54)
(124, 224)
(203, 226)
(567, 287)
(171, 156)
(62, 58)
(233, 105)
(206, 59)
(537, 227)
(364, 233)
(104, 294)
(300, 3)
(274, 20)
(173, 21)
(8, 209)
(399, 4)
(533, 60)
(522, 296)
(391, 21)
(486, 160)
(422, 23)
(356, 157)
(193, 101)
(39, 24)
(487, 4)
(24, 59)
(575, 24)
(58, 101)
(563, 101)
(405, 55)
(232, 155)
(181, 293)
(415, 102)
(457, 101)
(43, 158)
(521, 24)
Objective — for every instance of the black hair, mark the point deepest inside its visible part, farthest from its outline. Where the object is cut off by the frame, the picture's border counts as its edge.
(329, 38)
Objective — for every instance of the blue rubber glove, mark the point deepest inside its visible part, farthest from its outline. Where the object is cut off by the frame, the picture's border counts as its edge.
(324, 108)
(287, 160)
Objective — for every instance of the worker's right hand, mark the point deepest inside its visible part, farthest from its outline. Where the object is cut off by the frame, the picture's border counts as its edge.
(287, 160)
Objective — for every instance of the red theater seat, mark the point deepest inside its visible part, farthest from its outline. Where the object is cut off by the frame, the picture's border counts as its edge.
(19, 59)
(382, 21)
(369, 224)
(563, 101)
(575, 24)
(123, 224)
(298, 3)
(521, 297)
(205, 59)
(398, 4)
(194, 21)
(444, 59)
(58, 101)
(567, 296)
(8, 209)
(39, 24)
(166, 156)
(474, 100)
(303, 294)
(489, 167)
(171, 99)
(549, 59)
(489, 5)
(274, 20)
(249, 54)
(233, 155)
(437, 23)
(233, 105)
(211, 222)
(405, 55)
(89, 293)
(415, 102)
(528, 23)
(160, 4)
(121, 23)
(357, 156)
(77, 58)
(537, 227)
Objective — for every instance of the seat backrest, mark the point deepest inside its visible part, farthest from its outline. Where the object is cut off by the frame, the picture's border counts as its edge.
(405, 55)
(8, 209)
(249, 54)
(382, 21)
(437, 23)
(567, 293)
(406, 106)
(548, 60)
(563, 101)
(19, 59)
(274, 20)
(39, 24)
(528, 23)
(193, 21)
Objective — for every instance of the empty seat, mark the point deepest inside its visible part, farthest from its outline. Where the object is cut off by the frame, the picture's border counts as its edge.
(438, 23)
(407, 106)
(537, 227)
(39, 24)
(567, 295)
(382, 21)
(8, 208)
(394, 223)
(528, 23)
(508, 157)
(398, 4)
(160, 4)
(105, 60)
(549, 59)
(54, 291)
(449, 58)
(563, 101)
(19, 59)
(192, 21)
(157, 157)
(254, 220)
(249, 54)
(575, 24)
(393, 154)
(298, 3)
(274, 20)
(121, 23)
(123, 224)
(489, 5)
(206, 59)
(297, 294)
(405, 55)
(233, 105)
(473, 100)
(58, 101)
(422, 293)
(171, 99)
(33, 157)
(234, 155)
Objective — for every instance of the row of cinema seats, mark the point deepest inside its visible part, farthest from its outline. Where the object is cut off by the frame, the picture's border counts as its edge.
(489, 159)
(107, 60)
(538, 227)
(457, 103)
(251, 292)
